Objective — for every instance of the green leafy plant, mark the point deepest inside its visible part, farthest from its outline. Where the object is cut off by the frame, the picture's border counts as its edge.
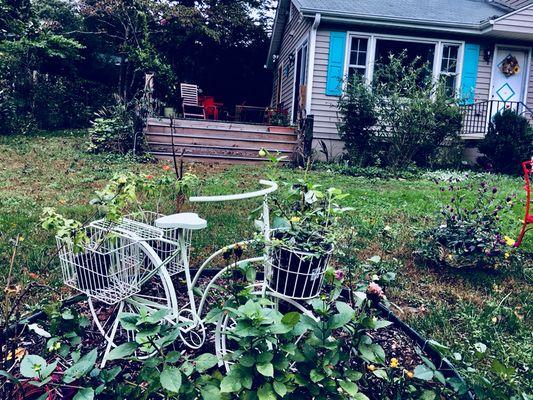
(307, 218)
(166, 372)
(508, 143)
(401, 119)
(469, 233)
(358, 116)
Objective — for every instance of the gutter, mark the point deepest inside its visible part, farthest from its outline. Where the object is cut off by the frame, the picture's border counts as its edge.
(311, 63)
(476, 29)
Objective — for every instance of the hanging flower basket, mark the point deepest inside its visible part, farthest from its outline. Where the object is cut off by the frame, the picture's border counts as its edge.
(296, 274)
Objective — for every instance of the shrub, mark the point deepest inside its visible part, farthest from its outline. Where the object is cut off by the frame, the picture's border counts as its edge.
(403, 118)
(357, 109)
(508, 142)
(116, 129)
(468, 234)
(8, 112)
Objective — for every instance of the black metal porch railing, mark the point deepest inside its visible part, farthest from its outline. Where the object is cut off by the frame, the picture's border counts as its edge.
(476, 117)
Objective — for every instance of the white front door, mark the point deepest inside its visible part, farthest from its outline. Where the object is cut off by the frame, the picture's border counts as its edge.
(509, 76)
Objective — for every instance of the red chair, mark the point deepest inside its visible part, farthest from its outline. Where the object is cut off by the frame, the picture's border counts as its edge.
(527, 166)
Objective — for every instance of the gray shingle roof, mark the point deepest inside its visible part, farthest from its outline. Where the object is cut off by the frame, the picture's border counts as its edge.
(468, 12)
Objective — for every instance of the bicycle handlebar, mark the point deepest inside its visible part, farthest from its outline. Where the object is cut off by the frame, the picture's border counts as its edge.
(272, 187)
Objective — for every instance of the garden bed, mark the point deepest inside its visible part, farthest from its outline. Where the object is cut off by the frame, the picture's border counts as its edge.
(398, 340)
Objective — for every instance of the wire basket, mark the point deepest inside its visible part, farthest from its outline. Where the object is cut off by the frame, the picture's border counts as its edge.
(295, 274)
(165, 249)
(109, 267)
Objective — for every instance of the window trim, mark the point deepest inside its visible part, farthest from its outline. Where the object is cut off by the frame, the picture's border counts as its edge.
(279, 85)
(437, 57)
(303, 42)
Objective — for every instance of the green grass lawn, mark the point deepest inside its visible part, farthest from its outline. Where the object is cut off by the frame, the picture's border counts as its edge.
(456, 309)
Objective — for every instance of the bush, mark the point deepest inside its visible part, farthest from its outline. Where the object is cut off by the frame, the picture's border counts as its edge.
(508, 142)
(113, 131)
(60, 102)
(8, 112)
(468, 234)
(357, 108)
(404, 118)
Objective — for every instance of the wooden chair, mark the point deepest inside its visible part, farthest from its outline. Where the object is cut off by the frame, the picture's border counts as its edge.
(190, 105)
(527, 166)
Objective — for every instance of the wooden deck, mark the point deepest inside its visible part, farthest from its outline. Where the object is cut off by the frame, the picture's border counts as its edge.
(218, 142)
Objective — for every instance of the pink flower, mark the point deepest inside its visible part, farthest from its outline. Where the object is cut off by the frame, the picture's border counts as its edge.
(339, 275)
(374, 292)
(149, 177)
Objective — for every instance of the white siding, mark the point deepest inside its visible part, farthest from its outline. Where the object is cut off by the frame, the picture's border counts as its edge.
(517, 22)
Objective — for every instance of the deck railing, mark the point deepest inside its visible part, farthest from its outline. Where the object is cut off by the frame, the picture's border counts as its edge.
(476, 117)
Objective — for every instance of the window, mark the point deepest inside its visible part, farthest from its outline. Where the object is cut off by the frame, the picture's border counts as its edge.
(448, 69)
(358, 56)
(368, 54)
(414, 53)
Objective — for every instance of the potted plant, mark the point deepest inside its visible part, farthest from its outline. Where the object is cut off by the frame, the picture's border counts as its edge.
(303, 239)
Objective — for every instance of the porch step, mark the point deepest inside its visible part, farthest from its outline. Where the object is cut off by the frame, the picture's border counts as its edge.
(222, 132)
(208, 150)
(221, 141)
(213, 141)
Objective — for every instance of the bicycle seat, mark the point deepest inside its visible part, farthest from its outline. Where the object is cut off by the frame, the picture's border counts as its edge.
(181, 221)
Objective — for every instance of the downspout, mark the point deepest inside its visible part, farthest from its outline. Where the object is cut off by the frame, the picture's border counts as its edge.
(311, 69)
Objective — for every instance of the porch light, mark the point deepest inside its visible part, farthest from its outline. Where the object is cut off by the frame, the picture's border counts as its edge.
(487, 54)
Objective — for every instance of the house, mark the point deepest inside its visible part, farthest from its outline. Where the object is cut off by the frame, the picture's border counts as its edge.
(483, 48)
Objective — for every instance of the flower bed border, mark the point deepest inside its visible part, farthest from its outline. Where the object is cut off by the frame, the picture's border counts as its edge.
(443, 365)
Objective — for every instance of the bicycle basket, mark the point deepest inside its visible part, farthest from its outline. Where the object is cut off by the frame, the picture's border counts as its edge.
(165, 249)
(109, 267)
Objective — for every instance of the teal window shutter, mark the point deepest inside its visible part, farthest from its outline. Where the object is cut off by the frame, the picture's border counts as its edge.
(337, 47)
(469, 74)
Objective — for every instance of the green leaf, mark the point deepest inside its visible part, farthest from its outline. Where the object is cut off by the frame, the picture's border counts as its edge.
(122, 351)
(170, 379)
(316, 376)
(210, 392)
(206, 361)
(458, 385)
(84, 394)
(264, 357)
(251, 274)
(382, 324)
(345, 315)
(81, 368)
(10, 377)
(423, 372)
(231, 383)
(437, 346)
(291, 318)
(265, 392)
(247, 360)
(428, 395)
(31, 365)
(280, 388)
(349, 387)
(381, 374)
(266, 369)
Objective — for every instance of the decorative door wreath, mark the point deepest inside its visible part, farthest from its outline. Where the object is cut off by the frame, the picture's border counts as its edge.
(509, 66)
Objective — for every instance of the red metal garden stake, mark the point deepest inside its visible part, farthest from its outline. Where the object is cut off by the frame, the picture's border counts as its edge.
(527, 166)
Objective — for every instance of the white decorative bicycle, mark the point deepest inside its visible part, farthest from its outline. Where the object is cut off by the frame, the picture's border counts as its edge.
(129, 265)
